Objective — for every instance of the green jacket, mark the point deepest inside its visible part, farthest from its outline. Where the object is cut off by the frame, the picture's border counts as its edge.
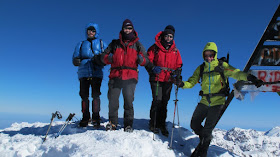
(213, 82)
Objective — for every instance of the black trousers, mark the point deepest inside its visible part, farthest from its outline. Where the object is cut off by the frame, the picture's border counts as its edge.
(128, 88)
(161, 96)
(95, 84)
(210, 114)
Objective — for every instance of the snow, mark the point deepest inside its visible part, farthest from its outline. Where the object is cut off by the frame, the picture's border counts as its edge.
(26, 139)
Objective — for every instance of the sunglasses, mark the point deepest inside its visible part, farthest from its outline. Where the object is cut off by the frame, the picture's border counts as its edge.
(129, 28)
(168, 36)
(210, 56)
(91, 30)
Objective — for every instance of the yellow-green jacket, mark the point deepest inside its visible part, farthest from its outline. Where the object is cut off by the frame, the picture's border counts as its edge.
(213, 82)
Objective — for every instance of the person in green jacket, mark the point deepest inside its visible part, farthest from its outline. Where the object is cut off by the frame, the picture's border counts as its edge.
(213, 92)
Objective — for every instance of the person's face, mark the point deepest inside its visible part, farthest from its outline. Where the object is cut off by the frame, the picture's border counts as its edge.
(168, 37)
(91, 33)
(209, 56)
(127, 29)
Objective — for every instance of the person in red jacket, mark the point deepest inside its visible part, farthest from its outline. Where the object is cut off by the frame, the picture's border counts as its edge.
(124, 55)
(164, 59)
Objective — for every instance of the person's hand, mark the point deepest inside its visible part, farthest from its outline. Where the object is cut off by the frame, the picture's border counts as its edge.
(110, 57)
(140, 59)
(257, 82)
(77, 61)
(96, 60)
(177, 80)
(156, 69)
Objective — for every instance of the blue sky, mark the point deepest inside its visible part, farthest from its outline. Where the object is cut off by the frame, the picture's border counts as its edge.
(38, 39)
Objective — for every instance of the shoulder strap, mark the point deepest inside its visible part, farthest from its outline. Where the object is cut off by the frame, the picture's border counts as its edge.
(156, 48)
(81, 49)
(221, 61)
(201, 68)
(114, 44)
(101, 46)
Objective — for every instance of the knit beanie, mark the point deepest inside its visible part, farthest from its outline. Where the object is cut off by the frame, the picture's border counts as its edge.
(169, 30)
(127, 22)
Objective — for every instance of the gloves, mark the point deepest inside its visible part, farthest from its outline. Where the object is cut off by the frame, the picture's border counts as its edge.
(178, 81)
(140, 59)
(257, 82)
(180, 84)
(96, 60)
(77, 61)
(177, 73)
(110, 57)
(156, 69)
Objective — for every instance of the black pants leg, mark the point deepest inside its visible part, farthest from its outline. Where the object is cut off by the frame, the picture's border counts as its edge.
(211, 114)
(162, 110)
(198, 116)
(84, 93)
(161, 96)
(128, 96)
(157, 97)
(95, 86)
(113, 97)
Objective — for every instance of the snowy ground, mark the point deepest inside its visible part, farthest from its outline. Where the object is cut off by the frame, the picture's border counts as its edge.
(26, 139)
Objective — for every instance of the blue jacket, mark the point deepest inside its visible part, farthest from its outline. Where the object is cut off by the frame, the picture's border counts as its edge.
(85, 50)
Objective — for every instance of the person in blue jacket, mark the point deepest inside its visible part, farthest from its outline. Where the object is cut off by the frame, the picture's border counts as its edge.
(89, 73)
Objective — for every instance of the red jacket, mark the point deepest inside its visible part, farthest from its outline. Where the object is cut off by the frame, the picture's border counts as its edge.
(168, 60)
(124, 65)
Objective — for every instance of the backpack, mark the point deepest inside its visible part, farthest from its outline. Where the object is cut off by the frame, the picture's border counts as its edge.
(220, 69)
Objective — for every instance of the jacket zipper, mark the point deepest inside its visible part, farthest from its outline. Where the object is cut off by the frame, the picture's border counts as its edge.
(209, 82)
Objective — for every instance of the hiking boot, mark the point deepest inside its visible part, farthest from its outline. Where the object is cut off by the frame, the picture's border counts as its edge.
(154, 130)
(164, 131)
(84, 122)
(96, 123)
(110, 127)
(128, 129)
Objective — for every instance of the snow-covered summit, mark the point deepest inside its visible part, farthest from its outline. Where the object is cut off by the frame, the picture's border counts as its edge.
(274, 132)
(26, 139)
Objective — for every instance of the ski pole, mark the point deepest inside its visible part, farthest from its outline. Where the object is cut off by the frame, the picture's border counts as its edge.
(59, 116)
(69, 118)
(178, 75)
(156, 106)
(173, 125)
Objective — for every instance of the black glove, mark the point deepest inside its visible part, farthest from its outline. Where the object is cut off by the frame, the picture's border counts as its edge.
(110, 57)
(140, 59)
(257, 82)
(96, 60)
(180, 84)
(77, 61)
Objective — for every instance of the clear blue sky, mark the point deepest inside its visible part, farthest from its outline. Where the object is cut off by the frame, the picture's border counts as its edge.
(37, 40)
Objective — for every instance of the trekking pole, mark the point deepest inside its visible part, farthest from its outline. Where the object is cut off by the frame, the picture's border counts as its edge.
(173, 125)
(156, 107)
(59, 116)
(176, 106)
(69, 118)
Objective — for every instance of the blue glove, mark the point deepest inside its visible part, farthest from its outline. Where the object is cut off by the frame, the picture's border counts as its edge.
(156, 69)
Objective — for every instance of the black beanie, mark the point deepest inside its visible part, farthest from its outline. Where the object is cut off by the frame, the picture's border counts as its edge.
(127, 22)
(91, 28)
(169, 30)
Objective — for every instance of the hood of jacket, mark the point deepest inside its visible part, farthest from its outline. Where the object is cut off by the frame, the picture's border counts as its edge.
(212, 47)
(96, 28)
